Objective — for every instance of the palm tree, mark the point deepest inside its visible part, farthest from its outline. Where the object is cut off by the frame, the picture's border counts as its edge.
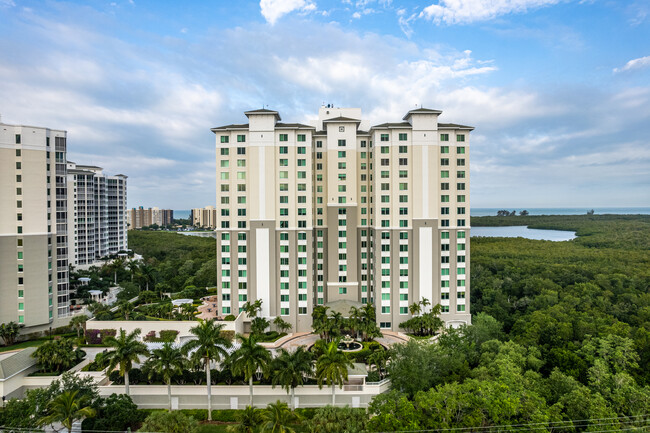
(248, 420)
(9, 332)
(425, 303)
(128, 349)
(290, 370)
(66, 408)
(210, 346)
(249, 358)
(253, 309)
(278, 418)
(166, 361)
(77, 323)
(125, 308)
(282, 325)
(415, 309)
(332, 368)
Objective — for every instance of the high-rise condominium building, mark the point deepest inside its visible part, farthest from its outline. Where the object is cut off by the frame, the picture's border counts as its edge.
(97, 214)
(205, 217)
(34, 288)
(343, 213)
(141, 217)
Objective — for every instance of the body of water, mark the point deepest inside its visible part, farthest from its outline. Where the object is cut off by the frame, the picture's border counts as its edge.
(492, 211)
(200, 234)
(181, 214)
(524, 232)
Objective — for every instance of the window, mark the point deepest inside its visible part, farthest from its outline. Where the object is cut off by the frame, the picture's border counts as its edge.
(460, 137)
(302, 137)
(461, 223)
(460, 161)
(460, 307)
(460, 235)
(444, 161)
(402, 137)
(342, 165)
(18, 166)
(225, 163)
(241, 175)
(444, 137)
(241, 151)
(460, 186)
(384, 137)
(403, 161)
(241, 163)
(444, 211)
(444, 296)
(225, 139)
(241, 187)
(343, 290)
(225, 151)
(341, 143)
(385, 310)
(444, 198)
(302, 150)
(444, 173)
(17, 152)
(341, 153)
(460, 174)
(241, 139)
(284, 137)
(444, 186)
(385, 149)
(460, 211)
(444, 149)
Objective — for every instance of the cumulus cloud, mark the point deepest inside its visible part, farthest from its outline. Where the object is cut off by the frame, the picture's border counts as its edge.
(272, 10)
(468, 11)
(640, 63)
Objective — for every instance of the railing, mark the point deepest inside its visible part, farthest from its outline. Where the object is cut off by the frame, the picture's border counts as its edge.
(352, 387)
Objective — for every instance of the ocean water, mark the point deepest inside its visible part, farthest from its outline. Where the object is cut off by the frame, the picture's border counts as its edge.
(181, 214)
(523, 232)
(492, 211)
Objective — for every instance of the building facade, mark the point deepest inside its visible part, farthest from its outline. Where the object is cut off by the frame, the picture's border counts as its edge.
(205, 217)
(97, 214)
(342, 211)
(141, 217)
(34, 284)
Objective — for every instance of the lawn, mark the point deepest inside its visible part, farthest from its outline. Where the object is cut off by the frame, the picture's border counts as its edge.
(22, 345)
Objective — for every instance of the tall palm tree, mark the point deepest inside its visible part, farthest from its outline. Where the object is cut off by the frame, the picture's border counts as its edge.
(66, 408)
(166, 361)
(332, 368)
(249, 358)
(128, 349)
(278, 418)
(290, 369)
(209, 346)
(77, 322)
(248, 420)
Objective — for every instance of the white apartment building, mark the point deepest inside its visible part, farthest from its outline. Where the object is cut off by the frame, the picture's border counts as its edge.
(97, 225)
(343, 211)
(34, 288)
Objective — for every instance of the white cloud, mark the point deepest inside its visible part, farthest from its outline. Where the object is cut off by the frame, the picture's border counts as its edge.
(272, 10)
(640, 63)
(467, 11)
(7, 3)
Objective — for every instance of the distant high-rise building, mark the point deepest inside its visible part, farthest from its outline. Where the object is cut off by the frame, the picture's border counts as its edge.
(141, 217)
(97, 214)
(340, 213)
(204, 217)
(34, 289)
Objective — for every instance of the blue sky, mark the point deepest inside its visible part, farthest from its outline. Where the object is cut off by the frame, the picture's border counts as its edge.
(558, 90)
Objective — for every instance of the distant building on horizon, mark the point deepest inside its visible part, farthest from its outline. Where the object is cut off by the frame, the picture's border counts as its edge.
(97, 223)
(141, 217)
(205, 217)
(340, 213)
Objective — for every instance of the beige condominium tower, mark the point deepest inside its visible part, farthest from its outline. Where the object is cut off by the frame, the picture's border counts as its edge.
(33, 221)
(342, 213)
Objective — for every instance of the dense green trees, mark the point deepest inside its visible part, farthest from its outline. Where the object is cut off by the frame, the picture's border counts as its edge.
(67, 408)
(56, 356)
